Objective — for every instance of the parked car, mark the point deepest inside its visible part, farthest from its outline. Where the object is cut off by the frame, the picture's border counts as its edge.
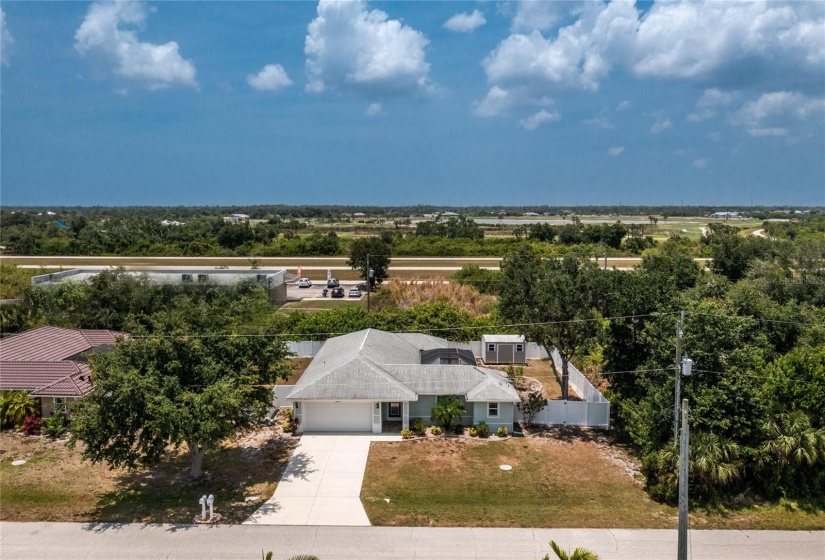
(355, 291)
(333, 283)
(338, 292)
(304, 283)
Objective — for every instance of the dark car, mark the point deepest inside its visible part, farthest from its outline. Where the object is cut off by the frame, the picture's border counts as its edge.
(333, 283)
(338, 292)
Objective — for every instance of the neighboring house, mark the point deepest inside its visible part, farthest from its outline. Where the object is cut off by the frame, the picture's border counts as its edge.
(503, 349)
(358, 381)
(273, 278)
(236, 218)
(51, 363)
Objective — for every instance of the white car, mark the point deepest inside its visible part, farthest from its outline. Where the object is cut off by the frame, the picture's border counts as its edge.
(355, 291)
(304, 283)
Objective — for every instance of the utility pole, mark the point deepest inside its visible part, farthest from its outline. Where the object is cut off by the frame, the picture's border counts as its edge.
(678, 375)
(684, 459)
(369, 288)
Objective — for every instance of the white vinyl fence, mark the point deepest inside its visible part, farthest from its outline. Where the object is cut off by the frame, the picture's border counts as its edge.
(593, 411)
(304, 348)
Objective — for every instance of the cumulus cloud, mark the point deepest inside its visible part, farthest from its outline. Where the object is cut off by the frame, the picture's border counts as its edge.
(616, 151)
(602, 120)
(715, 97)
(772, 113)
(701, 163)
(536, 120)
(272, 77)
(107, 39)
(725, 45)
(660, 125)
(714, 136)
(624, 106)
(6, 40)
(352, 49)
(465, 23)
(537, 14)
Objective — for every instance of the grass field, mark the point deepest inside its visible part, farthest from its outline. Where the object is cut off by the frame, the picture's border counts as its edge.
(564, 480)
(55, 485)
(321, 304)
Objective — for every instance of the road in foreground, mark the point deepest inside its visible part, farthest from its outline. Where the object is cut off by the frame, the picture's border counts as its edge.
(69, 541)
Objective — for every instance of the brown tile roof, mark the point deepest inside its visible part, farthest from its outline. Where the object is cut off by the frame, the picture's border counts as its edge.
(52, 344)
(38, 360)
(72, 377)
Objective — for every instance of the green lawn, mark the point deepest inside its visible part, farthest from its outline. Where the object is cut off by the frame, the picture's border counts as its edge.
(570, 482)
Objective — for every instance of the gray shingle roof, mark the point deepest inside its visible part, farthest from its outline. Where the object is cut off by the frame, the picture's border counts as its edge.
(378, 365)
(507, 338)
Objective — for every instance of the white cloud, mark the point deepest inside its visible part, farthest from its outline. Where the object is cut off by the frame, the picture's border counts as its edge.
(536, 120)
(374, 110)
(701, 163)
(355, 50)
(726, 45)
(715, 97)
(6, 40)
(772, 113)
(272, 77)
(661, 124)
(465, 23)
(104, 37)
(700, 116)
(714, 136)
(616, 151)
(537, 14)
(624, 106)
(602, 120)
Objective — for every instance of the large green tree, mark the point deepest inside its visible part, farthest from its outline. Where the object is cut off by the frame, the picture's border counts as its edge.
(553, 302)
(380, 255)
(187, 380)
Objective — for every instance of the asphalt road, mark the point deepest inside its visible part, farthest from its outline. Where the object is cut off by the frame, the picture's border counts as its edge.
(70, 541)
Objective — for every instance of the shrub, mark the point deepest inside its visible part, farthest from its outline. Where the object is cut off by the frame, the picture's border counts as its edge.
(501, 432)
(290, 414)
(472, 431)
(288, 426)
(32, 425)
(458, 430)
(436, 430)
(531, 405)
(483, 430)
(406, 434)
(418, 426)
(55, 425)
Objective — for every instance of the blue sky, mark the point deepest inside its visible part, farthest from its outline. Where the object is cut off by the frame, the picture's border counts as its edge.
(462, 103)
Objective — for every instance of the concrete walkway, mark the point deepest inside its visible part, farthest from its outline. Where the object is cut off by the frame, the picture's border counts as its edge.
(322, 483)
(70, 541)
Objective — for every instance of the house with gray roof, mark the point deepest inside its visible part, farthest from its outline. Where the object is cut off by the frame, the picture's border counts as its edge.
(360, 381)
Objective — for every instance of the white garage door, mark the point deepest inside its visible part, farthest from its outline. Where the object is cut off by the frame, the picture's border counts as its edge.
(337, 417)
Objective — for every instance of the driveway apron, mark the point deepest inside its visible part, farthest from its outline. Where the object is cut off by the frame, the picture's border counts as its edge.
(322, 483)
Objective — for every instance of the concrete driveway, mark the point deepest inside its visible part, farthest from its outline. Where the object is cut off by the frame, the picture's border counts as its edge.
(322, 483)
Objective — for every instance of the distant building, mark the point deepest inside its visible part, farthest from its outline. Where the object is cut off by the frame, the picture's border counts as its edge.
(531, 214)
(172, 223)
(725, 215)
(272, 278)
(236, 218)
(450, 215)
(359, 215)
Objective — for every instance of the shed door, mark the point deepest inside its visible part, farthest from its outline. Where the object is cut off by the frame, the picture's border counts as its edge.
(505, 353)
(337, 417)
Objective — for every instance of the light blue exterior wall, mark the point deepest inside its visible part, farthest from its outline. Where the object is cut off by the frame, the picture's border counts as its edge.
(423, 408)
(505, 416)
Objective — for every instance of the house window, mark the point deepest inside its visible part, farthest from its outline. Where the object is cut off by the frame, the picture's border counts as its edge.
(519, 347)
(60, 405)
(395, 410)
(203, 278)
(492, 410)
(186, 278)
(491, 347)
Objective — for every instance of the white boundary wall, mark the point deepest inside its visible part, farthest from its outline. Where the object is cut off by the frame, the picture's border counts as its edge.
(304, 348)
(279, 396)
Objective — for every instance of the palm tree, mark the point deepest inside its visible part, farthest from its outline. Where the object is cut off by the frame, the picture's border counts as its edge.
(791, 440)
(447, 410)
(16, 406)
(714, 462)
(578, 554)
